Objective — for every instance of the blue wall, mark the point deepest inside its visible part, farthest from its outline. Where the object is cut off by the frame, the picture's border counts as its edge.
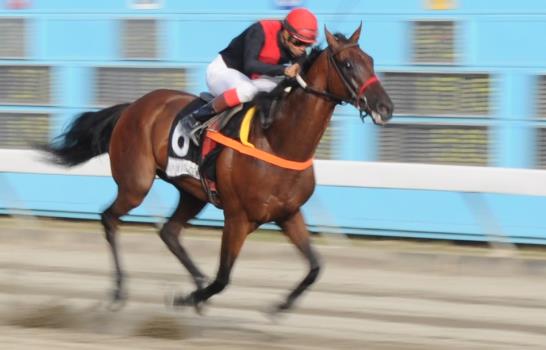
(503, 38)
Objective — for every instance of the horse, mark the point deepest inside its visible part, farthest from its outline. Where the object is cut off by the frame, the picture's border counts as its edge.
(251, 191)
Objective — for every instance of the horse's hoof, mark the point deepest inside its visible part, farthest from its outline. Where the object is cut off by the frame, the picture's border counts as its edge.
(198, 307)
(189, 300)
(117, 301)
(283, 307)
(202, 282)
(116, 304)
(275, 312)
(170, 298)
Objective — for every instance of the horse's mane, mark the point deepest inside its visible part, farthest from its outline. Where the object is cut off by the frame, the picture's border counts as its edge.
(264, 100)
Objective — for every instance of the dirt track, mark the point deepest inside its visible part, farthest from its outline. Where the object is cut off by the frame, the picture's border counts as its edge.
(54, 277)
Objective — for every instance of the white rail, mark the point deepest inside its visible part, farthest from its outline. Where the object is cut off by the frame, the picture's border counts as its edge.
(34, 162)
(432, 177)
(341, 173)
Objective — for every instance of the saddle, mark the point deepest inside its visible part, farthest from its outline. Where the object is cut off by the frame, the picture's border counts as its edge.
(199, 162)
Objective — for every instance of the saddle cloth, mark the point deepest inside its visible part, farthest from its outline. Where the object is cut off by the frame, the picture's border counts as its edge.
(185, 158)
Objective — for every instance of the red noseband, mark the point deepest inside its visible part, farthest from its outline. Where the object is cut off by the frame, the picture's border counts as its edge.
(367, 83)
(371, 80)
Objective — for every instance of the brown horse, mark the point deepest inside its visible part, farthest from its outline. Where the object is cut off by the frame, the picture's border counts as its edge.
(251, 191)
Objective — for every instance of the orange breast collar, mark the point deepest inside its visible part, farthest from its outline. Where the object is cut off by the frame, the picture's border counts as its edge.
(248, 148)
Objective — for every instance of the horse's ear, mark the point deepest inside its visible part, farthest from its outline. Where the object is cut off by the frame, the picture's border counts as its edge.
(356, 35)
(333, 43)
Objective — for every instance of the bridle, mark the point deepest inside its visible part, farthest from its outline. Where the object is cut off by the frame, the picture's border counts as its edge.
(357, 93)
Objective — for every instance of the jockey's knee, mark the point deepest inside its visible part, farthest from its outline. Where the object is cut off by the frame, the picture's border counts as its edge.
(246, 92)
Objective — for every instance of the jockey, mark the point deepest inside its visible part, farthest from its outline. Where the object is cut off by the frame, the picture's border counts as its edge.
(256, 60)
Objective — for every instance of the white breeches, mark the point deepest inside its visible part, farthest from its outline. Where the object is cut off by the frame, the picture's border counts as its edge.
(221, 78)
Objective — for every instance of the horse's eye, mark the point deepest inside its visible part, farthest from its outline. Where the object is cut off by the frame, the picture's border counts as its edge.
(347, 65)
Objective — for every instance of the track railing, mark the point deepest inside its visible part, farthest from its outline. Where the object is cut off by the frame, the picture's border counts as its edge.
(471, 182)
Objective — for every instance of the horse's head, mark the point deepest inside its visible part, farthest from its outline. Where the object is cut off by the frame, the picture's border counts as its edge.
(355, 78)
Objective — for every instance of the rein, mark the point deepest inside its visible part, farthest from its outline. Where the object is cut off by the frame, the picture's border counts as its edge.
(356, 94)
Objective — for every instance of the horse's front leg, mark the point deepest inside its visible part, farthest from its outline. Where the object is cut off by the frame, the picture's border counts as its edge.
(294, 228)
(233, 237)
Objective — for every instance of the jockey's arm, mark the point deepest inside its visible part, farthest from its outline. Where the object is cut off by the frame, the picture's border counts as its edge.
(254, 40)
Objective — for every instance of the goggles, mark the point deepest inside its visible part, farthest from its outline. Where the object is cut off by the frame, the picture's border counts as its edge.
(296, 42)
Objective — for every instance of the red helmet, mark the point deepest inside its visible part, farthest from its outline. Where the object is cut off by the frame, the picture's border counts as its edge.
(302, 25)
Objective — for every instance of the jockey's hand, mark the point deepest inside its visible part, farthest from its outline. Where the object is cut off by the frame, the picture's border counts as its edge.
(292, 70)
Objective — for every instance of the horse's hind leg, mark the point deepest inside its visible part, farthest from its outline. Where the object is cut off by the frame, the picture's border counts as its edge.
(188, 207)
(127, 199)
(294, 228)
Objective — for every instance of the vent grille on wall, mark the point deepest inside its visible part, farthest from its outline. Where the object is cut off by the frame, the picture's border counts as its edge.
(541, 97)
(13, 33)
(541, 148)
(23, 130)
(434, 42)
(28, 85)
(435, 94)
(435, 144)
(140, 39)
(118, 85)
(329, 146)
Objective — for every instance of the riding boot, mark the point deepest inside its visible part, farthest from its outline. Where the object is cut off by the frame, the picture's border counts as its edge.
(191, 123)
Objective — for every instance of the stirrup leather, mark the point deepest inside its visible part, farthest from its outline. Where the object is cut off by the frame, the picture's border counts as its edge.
(195, 133)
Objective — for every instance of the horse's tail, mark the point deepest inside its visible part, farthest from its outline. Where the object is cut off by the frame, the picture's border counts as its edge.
(86, 137)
